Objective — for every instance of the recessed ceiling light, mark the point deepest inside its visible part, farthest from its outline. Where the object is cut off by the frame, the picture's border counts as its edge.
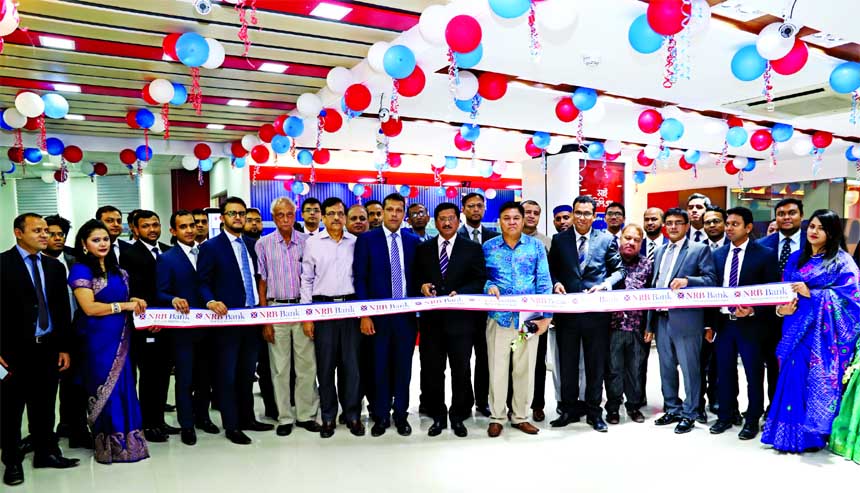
(514, 187)
(52, 42)
(737, 10)
(330, 11)
(67, 88)
(215, 126)
(284, 177)
(238, 102)
(452, 184)
(74, 117)
(277, 68)
(367, 180)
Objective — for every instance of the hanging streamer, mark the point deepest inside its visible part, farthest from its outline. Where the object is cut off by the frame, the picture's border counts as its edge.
(724, 154)
(42, 142)
(816, 161)
(534, 36)
(256, 172)
(241, 9)
(580, 137)
(476, 104)
(196, 95)
(199, 174)
(165, 118)
(855, 98)
(773, 152)
(684, 58)
(671, 53)
(768, 88)
(394, 104)
(453, 74)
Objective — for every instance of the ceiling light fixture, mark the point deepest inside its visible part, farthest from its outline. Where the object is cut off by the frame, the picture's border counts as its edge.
(367, 180)
(74, 117)
(734, 9)
(238, 102)
(67, 88)
(514, 187)
(284, 177)
(824, 40)
(215, 126)
(277, 68)
(59, 43)
(452, 184)
(330, 11)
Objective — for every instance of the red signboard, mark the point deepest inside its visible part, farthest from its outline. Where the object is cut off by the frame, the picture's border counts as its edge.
(604, 181)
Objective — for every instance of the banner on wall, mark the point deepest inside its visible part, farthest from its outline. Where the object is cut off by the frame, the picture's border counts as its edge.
(604, 181)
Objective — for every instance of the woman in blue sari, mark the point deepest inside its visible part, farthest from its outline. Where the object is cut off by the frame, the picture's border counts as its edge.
(819, 335)
(101, 290)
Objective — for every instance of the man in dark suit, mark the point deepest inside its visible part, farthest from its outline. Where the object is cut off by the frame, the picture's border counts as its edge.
(474, 208)
(714, 224)
(227, 269)
(112, 217)
(35, 325)
(150, 350)
(388, 275)
(741, 329)
(178, 286)
(788, 239)
(697, 204)
(679, 264)
(445, 266)
(583, 259)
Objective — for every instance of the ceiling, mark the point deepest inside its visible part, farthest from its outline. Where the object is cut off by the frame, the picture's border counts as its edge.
(118, 50)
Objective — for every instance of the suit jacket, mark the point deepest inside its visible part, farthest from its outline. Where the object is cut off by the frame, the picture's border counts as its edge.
(175, 277)
(124, 246)
(139, 263)
(758, 268)
(219, 272)
(695, 262)
(602, 261)
(772, 241)
(19, 307)
(486, 234)
(371, 267)
(662, 240)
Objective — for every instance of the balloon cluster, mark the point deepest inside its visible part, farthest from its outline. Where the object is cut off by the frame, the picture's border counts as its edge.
(568, 109)
(775, 49)
(194, 51)
(362, 191)
(553, 15)
(29, 113)
(9, 19)
(845, 79)
(163, 92)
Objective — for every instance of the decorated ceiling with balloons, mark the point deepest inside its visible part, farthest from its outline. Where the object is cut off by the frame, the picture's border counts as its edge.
(298, 84)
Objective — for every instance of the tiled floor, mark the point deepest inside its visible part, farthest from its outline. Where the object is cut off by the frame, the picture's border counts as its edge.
(630, 458)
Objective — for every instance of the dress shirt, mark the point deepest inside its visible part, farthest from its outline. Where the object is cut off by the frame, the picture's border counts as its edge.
(388, 240)
(794, 242)
(727, 269)
(702, 237)
(717, 244)
(448, 249)
(280, 264)
(663, 283)
(73, 303)
(638, 273)
(151, 247)
(327, 266)
(319, 230)
(421, 238)
(519, 270)
(237, 252)
(29, 264)
(471, 230)
(115, 248)
(587, 236)
(659, 241)
(187, 249)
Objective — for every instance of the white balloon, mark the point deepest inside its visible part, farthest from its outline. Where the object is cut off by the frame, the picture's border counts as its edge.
(309, 105)
(612, 147)
(652, 151)
(716, 127)
(556, 15)
(555, 146)
(29, 104)
(672, 112)
(855, 151)
(157, 126)
(376, 55)
(432, 24)
(189, 163)
(802, 146)
(490, 193)
(216, 54)
(14, 118)
(48, 177)
(705, 158)
(87, 168)
(700, 18)
(306, 189)
(338, 79)
(249, 141)
(468, 86)
(10, 20)
(161, 90)
(499, 167)
(771, 44)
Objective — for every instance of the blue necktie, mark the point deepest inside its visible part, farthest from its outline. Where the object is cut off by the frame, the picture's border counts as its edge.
(443, 258)
(581, 249)
(396, 274)
(247, 276)
(733, 273)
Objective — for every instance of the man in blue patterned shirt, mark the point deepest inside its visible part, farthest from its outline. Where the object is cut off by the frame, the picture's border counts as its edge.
(516, 264)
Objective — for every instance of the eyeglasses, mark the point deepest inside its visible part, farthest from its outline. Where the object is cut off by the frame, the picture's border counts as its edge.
(334, 214)
(614, 214)
(418, 214)
(58, 234)
(584, 215)
(311, 211)
(671, 224)
(712, 222)
(235, 213)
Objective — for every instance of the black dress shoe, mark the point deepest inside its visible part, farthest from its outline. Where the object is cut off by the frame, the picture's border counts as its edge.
(13, 475)
(170, 430)
(403, 428)
(720, 426)
(311, 426)
(636, 415)
(598, 424)
(378, 429)
(81, 441)
(459, 429)
(483, 410)
(54, 461)
(563, 420)
(436, 428)
(685, 426)
(257, 426)
(155, 435)
(356, 427)
(284, 430)
(749, 431)
(538, 415)
(613, 418)
(208, 427)
(702, 417)
(237, 437)
(188, 436)
(667, 419)
(738, 419)
(327, 429)
(25, 446)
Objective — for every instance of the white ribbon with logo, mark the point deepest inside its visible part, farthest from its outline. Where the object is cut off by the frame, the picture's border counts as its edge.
(601, 301)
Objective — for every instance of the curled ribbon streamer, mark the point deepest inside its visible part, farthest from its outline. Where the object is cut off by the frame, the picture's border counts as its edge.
(534, 36)
(695, 172)
(394, 103)
(683, 58)
(40, 120)
(19, 140)
(196, 92)
(453, 74)
(320, 122)
(243, 30)
(816, 161)
(669, 74)
(254, 175)
(148, 156)
(199, 174)
(773, 152)
(580, 137)
(768, 88)
(857, 169)
(724, 154)
(64, 169)
(855, 97)
(165, 118)
(476, 104)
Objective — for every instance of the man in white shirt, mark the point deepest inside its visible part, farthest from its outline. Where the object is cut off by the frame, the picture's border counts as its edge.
(112, 218)
(714, 221)
(614, 218)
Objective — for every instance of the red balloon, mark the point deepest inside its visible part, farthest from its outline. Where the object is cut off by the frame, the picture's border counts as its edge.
(267, 132)
(260, 154)
(127, 156)
(237, 150)
(734, 121)
(451, 192)
(202, 151)
(463, 33)
(146, 96)
(565, 110)
(100, 169)
(367, 192)
(413, 192)
(461, 143)
(495, 176)
(32, 124)
(129, 118)
(650, 121)
(666, 17)
(684, 164)
(59, 176)
(731, 169)
(794, 61)
(761, 139)
(612, 157)
(16, 154)
(73, 154)
(533, 150)
(357, 97)
(822, 139)
(169, 45)
(392, 127)
(413, 84)
(322, 156)
(644, 160)
(492, 86)
(395, 160)
(279, 126)
(332, 121)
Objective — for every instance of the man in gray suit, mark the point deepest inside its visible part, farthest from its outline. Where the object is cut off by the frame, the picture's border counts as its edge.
(679, 264)
(583, 259)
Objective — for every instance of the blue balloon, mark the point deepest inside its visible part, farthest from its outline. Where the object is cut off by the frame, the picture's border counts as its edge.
(584, 98)
(280, 144)
(294, 126)
(470, 131)
(192, 49)
(845, 78)
(143, 153)
(403, 190)
(747, 64)
(346, 111)
(466, 104)
(486, 170)
(3, 124)
(205, 165)
(692, 156)
(671, 129)
(358, 189)
(664, 154)
(639, 177)
(55, 146)
(144, 118)
(305, 157)
(56, 105)
(441, 191)
(750, 164)
(541, 140)
(33, 155)
(239, 162)
(510, 9)
(297, 187)
(781, 132)
(642, 38)
(10, 168)
(595, 150)
(469, 60)
(849, 154)
(450, 162)
(736, 136)
(398, 61)
(180, 94)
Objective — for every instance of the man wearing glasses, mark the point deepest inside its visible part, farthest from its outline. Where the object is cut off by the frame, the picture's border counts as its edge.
(311, 215)
(615, 220)
(417, 218)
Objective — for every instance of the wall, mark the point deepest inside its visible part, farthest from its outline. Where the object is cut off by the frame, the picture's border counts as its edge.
(225, 179)
(156, 195)
(8, 211)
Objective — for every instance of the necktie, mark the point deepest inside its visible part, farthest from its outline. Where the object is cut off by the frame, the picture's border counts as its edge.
(581, 248)
(664, 268)
(195, 251)
(156, 251)
(714, 245)
(443, 258)
(476, 235)
(784, 253)
(733, 273)
(247, 276)
(40, 294)
(651, 246)
(615, 240)
(396, 274)
(698, 236)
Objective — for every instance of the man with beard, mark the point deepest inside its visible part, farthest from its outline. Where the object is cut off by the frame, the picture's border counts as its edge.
(253, 224)
(356, 219)
(653, 221)
(201, 224)
(714, 221)
(532, 220)
(374, 213)
(561, 217)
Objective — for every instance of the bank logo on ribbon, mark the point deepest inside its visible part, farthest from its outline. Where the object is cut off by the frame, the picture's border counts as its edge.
(737, 294)
(309, 311)
(199, 316)
(142, 316)
(253, 314)
(680, 295)
(626, 297)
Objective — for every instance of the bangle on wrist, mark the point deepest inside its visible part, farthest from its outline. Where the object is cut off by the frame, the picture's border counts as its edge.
(115, 308)
(778, 313)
